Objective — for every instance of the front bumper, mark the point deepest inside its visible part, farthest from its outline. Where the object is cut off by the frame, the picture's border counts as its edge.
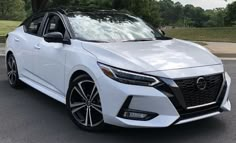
(149, 99)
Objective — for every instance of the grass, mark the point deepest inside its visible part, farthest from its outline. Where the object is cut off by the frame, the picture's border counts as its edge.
(7, 26)
(218, 34)
(201, 43)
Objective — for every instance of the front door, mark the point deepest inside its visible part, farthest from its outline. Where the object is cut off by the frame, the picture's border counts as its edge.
(28, 43)
(50, 58)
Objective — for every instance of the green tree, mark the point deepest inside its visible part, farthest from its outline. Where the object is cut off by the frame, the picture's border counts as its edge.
(166, 12)
(178, 13)
(171, 13)
(216, 17)
(12, 9)
(199, 17)
(97, 3)
(147, 9)
(194, 16)
(231, 14)
(188, 15)
(162, 12)
(28, 7)
(77, 3)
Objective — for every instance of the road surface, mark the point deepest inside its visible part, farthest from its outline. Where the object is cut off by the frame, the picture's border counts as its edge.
(28, 116)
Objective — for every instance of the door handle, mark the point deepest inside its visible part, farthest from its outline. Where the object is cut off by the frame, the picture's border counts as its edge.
(37, 47)
(17, 40)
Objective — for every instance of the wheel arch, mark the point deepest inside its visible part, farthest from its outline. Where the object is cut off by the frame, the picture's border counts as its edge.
(80, 71)
(91, 69)
(8, 53)
(76, 74)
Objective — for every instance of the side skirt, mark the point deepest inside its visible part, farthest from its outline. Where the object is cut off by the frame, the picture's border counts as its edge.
(44, 90)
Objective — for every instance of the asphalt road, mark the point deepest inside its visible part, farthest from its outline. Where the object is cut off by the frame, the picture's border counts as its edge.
(28, 116)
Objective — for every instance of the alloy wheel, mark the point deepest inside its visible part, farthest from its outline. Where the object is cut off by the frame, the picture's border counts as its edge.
(12, 70)
(85, 104)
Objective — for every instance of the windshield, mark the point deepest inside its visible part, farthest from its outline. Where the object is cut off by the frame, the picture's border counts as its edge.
(110, 27)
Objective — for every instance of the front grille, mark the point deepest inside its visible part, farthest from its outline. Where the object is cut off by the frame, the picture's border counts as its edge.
(186, 114)
(193, 96)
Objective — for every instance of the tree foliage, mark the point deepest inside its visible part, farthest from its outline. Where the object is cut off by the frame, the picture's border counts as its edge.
(12, 9)
(158, 13)
(216, 17)
(28, 7)
(146, 9)
(231, 14)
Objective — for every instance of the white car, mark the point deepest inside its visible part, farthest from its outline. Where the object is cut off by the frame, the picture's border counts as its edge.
(110, 67)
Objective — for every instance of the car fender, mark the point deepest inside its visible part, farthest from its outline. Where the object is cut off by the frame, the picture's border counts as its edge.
(86, 62)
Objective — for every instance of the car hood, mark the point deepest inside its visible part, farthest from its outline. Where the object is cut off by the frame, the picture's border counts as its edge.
(152, 55)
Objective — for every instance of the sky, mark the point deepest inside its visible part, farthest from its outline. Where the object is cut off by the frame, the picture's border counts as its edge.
(206, 4)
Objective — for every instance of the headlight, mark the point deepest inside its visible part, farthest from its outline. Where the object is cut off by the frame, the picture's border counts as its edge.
(128, 77)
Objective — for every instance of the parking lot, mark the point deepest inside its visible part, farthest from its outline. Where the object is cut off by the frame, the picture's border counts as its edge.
(28, 116)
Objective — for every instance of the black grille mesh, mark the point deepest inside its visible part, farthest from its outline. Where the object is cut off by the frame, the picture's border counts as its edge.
(194, 96)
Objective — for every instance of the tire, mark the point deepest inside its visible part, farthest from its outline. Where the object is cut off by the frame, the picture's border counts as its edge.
(12, 72)
(84, 104)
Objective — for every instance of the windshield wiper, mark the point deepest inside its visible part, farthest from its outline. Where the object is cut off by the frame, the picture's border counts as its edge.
(163, 38)
(96, 41)
(139, 40)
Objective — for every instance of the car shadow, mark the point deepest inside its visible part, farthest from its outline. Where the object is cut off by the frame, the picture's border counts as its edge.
(174, 133)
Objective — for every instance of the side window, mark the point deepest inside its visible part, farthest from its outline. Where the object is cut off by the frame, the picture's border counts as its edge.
(55, 25)
(34, 25)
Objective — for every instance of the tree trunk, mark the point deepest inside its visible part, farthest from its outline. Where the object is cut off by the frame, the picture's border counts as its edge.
(116, 4)
(38, 5)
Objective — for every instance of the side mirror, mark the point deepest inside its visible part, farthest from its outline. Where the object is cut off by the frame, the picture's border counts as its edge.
(55, 37)
(162, 32)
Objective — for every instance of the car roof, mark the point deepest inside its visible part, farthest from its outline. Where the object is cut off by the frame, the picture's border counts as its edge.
(67, 10)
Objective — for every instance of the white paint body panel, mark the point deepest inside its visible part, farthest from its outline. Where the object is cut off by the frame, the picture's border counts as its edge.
(49, 67)
(160, 55)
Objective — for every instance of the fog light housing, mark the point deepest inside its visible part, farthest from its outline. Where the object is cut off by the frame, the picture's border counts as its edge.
(137, 115)
(133, 115)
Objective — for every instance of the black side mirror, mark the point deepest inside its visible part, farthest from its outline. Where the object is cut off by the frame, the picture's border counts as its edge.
(162, 32)
(55, 37)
